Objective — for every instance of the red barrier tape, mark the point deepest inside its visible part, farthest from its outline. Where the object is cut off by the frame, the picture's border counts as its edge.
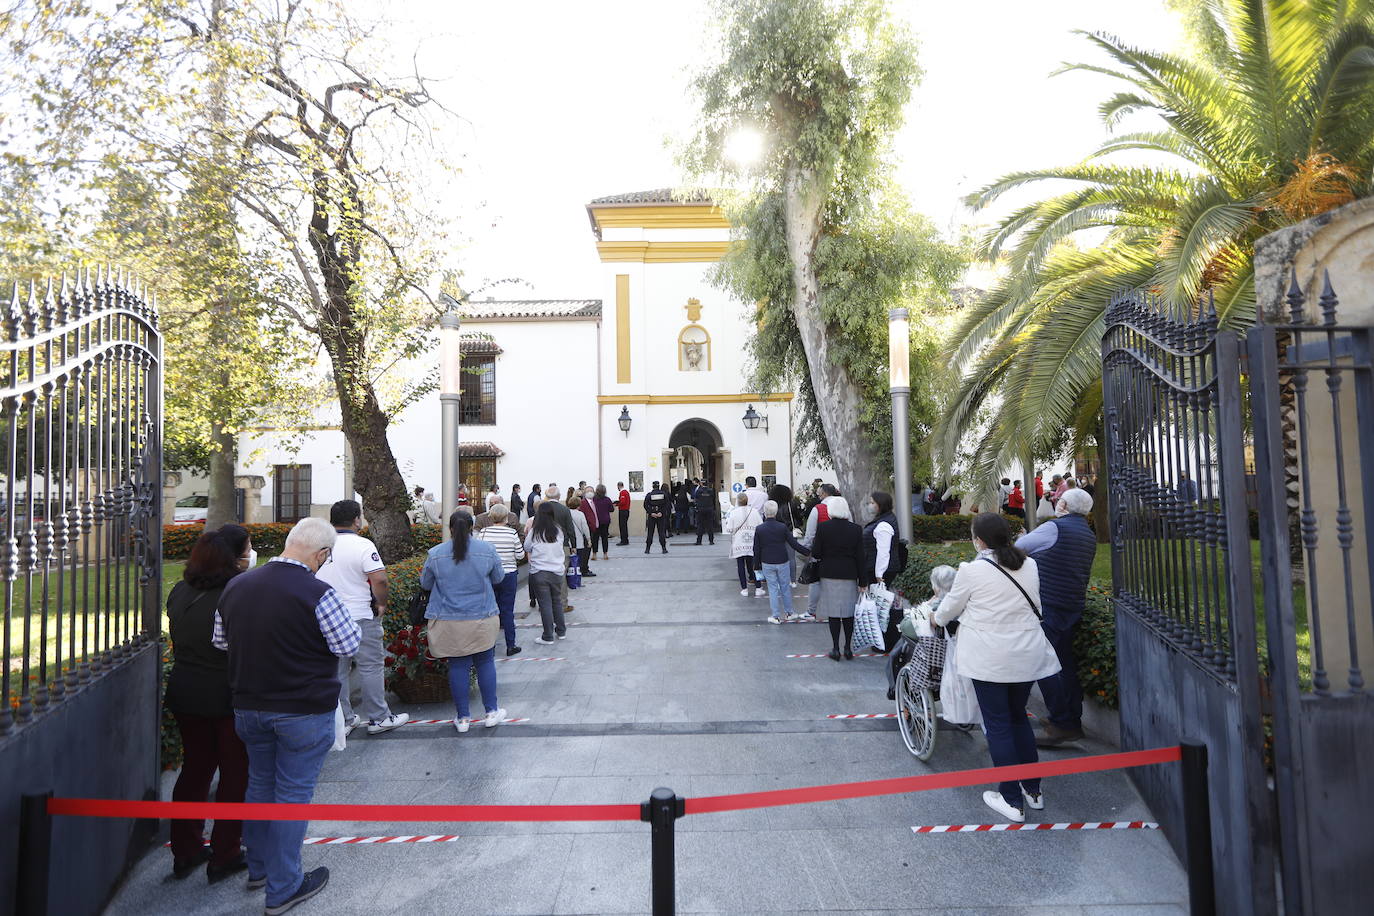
(925, 783)
(100, 807)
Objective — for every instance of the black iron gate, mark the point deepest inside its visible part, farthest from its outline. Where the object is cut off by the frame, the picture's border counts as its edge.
(1187, 650)
(1312, 390)
(80, 572)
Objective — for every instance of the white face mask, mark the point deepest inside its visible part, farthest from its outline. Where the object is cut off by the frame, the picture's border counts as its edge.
(252, 558)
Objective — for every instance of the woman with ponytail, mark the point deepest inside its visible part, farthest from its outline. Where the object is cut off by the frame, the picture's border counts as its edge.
(463, 616)
(1001, 647)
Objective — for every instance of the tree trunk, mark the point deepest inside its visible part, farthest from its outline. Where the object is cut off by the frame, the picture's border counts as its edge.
(837, 397)
(223, 457)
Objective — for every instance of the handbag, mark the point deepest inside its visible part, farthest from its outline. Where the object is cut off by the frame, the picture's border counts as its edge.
(810, 573)
(419, 603)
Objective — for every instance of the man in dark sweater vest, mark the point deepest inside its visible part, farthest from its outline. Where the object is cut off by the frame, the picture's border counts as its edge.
(1063, 549)
(285, 631)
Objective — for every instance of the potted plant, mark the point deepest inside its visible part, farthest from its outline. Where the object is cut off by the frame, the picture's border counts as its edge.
(411, 672)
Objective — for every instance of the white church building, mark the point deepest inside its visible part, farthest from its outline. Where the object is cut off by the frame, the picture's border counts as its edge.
(647, 383)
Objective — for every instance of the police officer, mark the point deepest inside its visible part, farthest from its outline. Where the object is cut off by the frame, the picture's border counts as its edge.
(656, 509)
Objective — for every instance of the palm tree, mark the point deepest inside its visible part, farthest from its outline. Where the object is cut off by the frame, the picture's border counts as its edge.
(1269, 122)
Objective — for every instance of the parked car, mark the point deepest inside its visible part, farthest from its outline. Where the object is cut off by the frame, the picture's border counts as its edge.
(190, 510)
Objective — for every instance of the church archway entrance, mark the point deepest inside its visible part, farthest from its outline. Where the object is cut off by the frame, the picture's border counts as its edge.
(695, 449)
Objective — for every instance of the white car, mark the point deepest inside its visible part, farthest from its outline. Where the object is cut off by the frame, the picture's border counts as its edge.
(190, 509)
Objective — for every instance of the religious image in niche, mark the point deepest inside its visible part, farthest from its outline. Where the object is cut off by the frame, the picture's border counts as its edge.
(694, 349)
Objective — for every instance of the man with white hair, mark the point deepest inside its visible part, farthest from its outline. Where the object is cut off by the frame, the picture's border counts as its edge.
(1063, 549)
(285, 631)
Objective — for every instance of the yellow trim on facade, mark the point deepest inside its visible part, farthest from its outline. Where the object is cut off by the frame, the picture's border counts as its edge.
(622, 328)
(657, 252)
(693, 398)
(660, 216)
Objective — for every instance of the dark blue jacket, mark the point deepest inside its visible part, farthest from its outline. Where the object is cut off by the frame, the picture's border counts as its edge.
(770, 543)
(1064, 570)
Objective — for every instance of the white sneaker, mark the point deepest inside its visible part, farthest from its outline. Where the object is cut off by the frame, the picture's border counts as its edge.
(395, 720)
(542, 641)
(461, 723)
(562, 635)
(1035, 802)
(744, 592)
(791, 617)
(996, 802)
(807, 616)
(351, 723)
(494, 718)
(775, 619)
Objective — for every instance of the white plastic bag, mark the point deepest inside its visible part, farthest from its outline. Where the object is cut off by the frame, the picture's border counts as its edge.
(958, 702)
(340, 735)
(1045, 511)
(866, 630)
(885, 599)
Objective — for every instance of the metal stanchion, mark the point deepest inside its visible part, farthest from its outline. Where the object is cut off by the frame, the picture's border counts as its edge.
(35, 847)
(1197, 830)
(660, 811)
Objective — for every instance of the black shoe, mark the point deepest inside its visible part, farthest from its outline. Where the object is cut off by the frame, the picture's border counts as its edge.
(313, 882)
(646, 550)
(665, 549)
(698, 542)
(892, 693)
(182, 868)
(835, 654)
(512, 650)
(848, 653)
(589, 574)
(534, 604)
(217, 873)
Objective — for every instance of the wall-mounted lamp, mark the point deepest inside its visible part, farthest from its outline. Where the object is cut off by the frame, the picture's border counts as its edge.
(624, 421)
(752, 419)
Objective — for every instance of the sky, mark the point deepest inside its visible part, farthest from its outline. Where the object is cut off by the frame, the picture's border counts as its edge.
(562, 102)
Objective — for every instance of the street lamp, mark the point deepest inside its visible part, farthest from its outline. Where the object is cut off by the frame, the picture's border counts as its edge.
(624, 421)
(753, 418)
(899, 384)
(450, 394)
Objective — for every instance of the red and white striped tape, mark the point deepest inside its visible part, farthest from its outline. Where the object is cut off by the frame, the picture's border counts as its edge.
(526, 658)
(824, 655)
(862, 715)
(378, 840)
(997, 828)
(450, 721)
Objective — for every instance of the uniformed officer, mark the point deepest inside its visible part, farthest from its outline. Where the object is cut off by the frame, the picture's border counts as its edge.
(656, 508)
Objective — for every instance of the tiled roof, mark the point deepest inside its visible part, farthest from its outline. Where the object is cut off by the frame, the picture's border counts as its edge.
(479, 450)
(527, 308)
(659, 196)
(473, 344)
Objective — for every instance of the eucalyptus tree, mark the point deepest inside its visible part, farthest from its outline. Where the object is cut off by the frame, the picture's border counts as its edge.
(829, 243)
(1268, 119)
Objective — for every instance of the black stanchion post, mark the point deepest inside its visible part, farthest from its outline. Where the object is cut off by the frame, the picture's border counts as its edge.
(1197, 830)
(660, 811)
(35, 850)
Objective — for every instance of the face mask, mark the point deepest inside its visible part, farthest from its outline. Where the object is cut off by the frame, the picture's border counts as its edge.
(252, 558)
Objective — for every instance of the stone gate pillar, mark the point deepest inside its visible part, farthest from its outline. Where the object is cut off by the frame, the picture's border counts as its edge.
(170, 481)
(253, 512)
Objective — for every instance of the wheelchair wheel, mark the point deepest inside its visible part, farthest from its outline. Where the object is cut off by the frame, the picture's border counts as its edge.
(915, 716)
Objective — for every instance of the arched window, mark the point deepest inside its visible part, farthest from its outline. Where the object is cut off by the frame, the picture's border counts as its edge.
(694, 349)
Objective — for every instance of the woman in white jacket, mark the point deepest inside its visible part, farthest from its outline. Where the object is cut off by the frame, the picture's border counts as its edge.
(740, 525)
(996, 599)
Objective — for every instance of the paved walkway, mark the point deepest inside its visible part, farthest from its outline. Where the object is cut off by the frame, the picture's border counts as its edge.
(671, 678)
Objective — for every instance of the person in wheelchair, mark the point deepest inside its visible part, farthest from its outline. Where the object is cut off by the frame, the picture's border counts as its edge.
(941, 578)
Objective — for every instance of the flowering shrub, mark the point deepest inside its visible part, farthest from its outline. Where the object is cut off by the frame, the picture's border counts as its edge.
(170, 745)
(404, 581)
(177, 540)
(937, 529)
(914, 581)
(1095, 645)
(408, 656)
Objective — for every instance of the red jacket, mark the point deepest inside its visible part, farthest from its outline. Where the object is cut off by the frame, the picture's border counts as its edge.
(624, 501)
(1016, 499)
(589, 511)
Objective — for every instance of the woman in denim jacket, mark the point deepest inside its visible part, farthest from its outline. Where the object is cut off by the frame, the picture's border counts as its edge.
(462, 615)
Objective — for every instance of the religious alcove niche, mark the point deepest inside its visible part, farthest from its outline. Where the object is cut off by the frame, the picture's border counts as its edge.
(694, 344)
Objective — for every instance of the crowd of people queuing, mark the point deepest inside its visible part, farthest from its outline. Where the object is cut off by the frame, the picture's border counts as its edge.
(265, 654)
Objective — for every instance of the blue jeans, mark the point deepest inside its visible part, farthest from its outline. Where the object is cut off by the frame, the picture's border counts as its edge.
(460, 682)
(285, 753)
(1011, 740)
(505, 604)
(779, 588)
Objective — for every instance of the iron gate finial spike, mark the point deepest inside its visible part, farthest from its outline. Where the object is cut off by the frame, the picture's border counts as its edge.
(1296, 299)
(1328, 300)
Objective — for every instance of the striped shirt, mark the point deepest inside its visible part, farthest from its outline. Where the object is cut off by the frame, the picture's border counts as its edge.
(506, 540)
(341, 634)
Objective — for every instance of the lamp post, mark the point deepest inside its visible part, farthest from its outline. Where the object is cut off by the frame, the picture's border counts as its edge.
(899, 384)
(450, 388)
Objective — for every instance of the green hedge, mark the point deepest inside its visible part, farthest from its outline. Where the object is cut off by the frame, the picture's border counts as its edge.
(937, 529)
(1094, 644)
(177, 540)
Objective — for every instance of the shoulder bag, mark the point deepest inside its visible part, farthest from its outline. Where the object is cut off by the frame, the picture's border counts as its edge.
(1025, 594)
(419, 603)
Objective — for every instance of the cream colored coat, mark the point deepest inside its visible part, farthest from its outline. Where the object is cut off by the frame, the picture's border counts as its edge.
(1000, 639)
